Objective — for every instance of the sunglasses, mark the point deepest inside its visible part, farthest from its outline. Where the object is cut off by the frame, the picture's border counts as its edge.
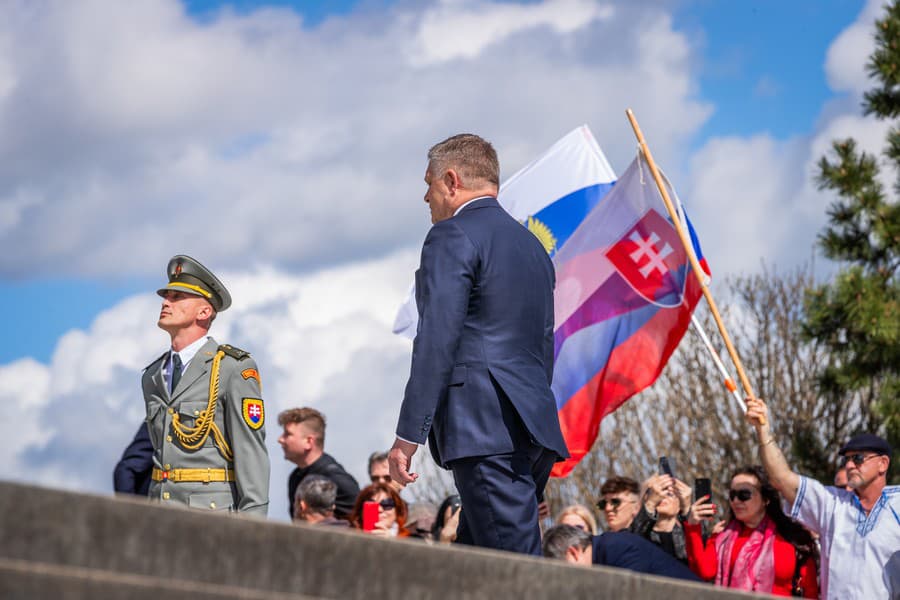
(857, 459)
(387, 504)
(613, 503)
(380, 478)
(742, 494)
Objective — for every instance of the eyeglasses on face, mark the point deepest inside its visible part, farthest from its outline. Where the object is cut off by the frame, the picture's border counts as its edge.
(857, 459)
(380, 478)
(387, 504)
(742, 494)
(613, 503)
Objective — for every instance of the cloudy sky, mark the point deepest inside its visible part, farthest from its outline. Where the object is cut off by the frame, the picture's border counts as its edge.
(283, 143)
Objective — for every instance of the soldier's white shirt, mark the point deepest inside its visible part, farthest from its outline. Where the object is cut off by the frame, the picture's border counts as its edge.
(187, 353)
(857, 549)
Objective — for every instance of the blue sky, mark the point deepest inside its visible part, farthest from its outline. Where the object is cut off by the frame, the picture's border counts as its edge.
(761, 66)
(282, 144)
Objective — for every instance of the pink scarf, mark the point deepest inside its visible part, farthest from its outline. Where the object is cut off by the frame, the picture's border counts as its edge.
(754, 567)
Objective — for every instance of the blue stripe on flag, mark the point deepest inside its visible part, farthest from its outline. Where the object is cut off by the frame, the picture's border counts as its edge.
(563, 216)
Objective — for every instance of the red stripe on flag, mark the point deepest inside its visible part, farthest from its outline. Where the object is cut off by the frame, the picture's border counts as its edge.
(632, 366)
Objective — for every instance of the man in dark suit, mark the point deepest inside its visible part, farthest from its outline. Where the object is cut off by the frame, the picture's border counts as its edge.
(621, 549)
(479, 387)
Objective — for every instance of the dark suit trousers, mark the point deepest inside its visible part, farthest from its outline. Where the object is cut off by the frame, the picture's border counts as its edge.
(500, 495)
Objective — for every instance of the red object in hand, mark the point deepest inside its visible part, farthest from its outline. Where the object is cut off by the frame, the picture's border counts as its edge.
(369, 515)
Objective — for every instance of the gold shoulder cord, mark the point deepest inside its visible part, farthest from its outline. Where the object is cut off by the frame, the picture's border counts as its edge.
(194, 437)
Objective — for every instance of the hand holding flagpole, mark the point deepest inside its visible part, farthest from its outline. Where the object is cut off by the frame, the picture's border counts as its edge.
(688, 246)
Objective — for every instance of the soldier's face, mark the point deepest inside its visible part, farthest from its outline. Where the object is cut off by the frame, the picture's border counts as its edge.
(180, 310)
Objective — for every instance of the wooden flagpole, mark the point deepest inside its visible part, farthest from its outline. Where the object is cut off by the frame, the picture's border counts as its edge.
(689, 249)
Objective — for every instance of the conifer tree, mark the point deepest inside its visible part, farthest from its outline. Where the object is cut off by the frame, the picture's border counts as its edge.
(857, 314)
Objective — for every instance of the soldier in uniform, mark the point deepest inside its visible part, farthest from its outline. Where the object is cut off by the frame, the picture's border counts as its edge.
(205, 412)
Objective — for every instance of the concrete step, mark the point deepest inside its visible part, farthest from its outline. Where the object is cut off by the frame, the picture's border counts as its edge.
(140, 542)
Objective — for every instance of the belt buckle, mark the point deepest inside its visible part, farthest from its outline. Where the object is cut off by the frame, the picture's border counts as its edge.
(207, 477)
(165, 475)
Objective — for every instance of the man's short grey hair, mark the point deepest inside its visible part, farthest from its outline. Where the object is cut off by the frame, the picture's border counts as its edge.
(558, 540)
(472, 157)
(319, 493)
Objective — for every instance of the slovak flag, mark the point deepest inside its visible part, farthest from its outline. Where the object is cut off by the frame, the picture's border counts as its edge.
(624, 298)
(550, 196)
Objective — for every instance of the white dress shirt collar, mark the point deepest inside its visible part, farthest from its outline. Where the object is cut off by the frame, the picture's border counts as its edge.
(188, 352)
(456, 212)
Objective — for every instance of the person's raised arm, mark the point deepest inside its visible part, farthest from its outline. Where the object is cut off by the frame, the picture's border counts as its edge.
(780, 474)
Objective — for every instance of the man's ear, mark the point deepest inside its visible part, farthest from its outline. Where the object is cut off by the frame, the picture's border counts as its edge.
(452, 180)
(205, 312)
(573, 554)
(885, 465)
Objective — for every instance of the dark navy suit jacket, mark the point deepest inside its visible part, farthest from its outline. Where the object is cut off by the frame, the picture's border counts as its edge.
(132, 473)
(627, 550)
(484, 291)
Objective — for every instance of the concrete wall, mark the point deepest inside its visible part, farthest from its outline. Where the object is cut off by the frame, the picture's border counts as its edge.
(56, 544)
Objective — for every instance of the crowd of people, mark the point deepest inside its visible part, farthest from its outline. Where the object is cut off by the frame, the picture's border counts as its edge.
(479, 393)
(656, 526)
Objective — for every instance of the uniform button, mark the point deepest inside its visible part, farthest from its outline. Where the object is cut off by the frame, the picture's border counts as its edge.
(171, 411)
(212, 505)
(168, 438)
(196, 413)
(165, 495)
(167, 467)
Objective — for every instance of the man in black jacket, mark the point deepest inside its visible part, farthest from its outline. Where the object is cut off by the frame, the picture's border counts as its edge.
(303, 443)
(615, 549)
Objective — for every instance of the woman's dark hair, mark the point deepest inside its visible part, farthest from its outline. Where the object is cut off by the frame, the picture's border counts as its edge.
(790, 530)
(439, 520)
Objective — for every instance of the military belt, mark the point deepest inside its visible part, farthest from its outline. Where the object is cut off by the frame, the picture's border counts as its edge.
(195, 475)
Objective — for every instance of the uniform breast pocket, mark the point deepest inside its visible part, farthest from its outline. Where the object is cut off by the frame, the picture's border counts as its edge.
(189, 412)
(215, 501)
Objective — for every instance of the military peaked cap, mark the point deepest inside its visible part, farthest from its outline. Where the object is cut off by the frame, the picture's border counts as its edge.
(189, 276)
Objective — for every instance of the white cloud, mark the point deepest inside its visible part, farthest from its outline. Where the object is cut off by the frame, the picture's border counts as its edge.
(320, 340)
(755, 198)
(463, 28)
(259, 141)
(849, 53)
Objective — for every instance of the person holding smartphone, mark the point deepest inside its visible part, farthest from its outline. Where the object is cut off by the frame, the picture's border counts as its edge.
(666, 503)
(379, 510)
(759, 548)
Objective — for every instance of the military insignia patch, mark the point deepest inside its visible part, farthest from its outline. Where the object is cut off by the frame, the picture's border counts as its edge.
(253, 412)
(251, 373)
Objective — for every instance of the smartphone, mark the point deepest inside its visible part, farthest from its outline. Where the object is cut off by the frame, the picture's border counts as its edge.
(664, 467)
(369, 515)
(702, 487)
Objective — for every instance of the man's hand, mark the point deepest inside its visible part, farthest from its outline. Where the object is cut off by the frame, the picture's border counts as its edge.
(400, 461)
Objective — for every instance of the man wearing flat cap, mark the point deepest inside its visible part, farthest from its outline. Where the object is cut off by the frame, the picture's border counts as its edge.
(205, 413)
(858, 528)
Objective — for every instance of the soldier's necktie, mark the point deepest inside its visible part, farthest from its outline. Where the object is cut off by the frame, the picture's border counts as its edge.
(176, 370)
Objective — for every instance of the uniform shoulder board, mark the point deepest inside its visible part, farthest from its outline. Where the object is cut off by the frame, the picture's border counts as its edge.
(157, 359)
(233, 352)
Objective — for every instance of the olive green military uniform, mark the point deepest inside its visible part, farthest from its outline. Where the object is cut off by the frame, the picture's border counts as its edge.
(239, 392)
(208, 434)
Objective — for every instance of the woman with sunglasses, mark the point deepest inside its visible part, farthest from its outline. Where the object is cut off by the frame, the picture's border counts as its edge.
(391, 510)
(760, 548)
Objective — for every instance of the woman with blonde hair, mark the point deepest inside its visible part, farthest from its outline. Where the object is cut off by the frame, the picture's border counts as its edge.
(578, 515)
